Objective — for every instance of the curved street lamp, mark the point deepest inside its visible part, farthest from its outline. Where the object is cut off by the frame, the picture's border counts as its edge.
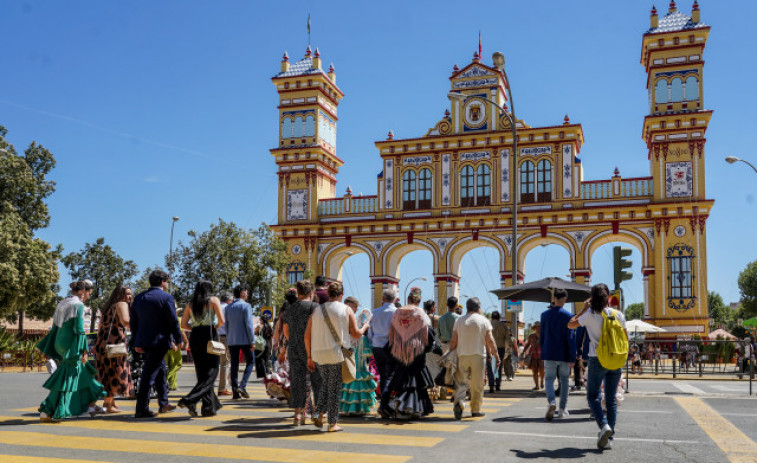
(499, 61)
(734, 159)
(170, 248)
(410, 282)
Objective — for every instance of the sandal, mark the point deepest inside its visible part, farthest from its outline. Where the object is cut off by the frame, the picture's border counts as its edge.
(335, 428)
(318, 421)
(113, 409)
(297, 420)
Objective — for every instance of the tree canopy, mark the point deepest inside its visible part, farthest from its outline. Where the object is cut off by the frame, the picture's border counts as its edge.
(28, 265)
(635, 311)
(227, 255)
(748, 289)
(720, 313)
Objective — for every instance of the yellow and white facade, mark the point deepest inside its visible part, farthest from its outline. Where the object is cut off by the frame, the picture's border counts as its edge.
(449, 190)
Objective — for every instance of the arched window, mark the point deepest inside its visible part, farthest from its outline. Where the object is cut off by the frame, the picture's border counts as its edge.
(527, 182)
(661, 91)
(297, 133)
(544, 181)
(424, 189)
(676, 90)
(408, 190)
(483, 185)
(309, 126)
(286, 128)
(691, 90)
(467, 186)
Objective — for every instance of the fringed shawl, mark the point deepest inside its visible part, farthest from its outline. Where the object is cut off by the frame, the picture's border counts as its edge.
(409, 334)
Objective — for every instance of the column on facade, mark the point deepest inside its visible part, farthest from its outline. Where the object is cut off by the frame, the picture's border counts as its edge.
(445, 286)
(379, 284)
(648, 272)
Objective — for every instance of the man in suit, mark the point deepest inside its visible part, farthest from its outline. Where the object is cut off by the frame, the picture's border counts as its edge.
(154, 327)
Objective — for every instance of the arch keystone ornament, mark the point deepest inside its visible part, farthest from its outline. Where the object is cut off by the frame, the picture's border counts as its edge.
(450, 190)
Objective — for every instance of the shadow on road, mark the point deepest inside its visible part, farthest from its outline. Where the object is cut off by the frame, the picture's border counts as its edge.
(567, 453)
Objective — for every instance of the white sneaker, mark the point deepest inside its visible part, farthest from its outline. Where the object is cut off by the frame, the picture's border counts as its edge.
(551, 411)
(608, 446)
(604, 436)
(562, 413)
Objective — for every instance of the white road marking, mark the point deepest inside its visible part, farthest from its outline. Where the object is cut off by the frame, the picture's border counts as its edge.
(738, 414)
(686, 387)
(730, 388)
(623, 410)
(625, 439)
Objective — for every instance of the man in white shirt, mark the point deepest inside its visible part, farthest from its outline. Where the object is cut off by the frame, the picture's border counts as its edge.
(472, 337)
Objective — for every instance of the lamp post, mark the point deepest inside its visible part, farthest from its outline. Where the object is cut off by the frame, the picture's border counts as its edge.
(734, 159)
(499, 62)
(170, 248)
(410, 282)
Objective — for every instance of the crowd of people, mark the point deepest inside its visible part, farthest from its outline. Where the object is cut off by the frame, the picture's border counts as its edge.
(323, 355)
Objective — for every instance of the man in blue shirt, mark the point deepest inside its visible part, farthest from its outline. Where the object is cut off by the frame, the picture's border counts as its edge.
(558, 350)
(241, 338)
(378, 333)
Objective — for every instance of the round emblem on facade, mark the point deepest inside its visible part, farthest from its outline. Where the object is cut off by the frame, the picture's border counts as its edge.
(679, 231)
(475, 113)
(296, 249)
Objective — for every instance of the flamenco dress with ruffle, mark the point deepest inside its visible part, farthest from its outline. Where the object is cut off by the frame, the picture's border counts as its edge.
(72, 386)
(359, 396)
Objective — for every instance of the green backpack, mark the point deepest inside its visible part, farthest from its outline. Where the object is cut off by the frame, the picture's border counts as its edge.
(612, 349)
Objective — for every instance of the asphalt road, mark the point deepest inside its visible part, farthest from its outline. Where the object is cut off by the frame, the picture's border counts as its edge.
(659, 421)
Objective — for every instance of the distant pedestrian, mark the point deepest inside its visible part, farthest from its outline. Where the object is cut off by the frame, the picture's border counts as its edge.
(241, 338)
(321, 291)
(223, 376)
(532, 351)
(447, 323)
(263, 335)
(503, 340)
(359, 396)
(472, 338)
(73, 387)
(114, 372)
(204, 312)
(174, 361)
(154, 328)
(591, 317)
(558, 351)
(378, 333)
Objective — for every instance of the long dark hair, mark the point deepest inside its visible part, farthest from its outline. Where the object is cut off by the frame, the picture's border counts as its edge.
(600, 297)
(118, 295)
(201, 297)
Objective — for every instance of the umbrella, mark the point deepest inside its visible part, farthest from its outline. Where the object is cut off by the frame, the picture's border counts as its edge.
(541, 290)
(722, 333)
(638, 326)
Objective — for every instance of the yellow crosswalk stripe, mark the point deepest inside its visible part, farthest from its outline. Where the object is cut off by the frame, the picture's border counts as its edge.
(216, 451)
(27, 459)
(247, 431)
(738, 447)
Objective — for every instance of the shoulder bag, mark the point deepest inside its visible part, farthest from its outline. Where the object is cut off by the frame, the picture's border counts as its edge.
(214, 347)
(349, 370)
(114, 350)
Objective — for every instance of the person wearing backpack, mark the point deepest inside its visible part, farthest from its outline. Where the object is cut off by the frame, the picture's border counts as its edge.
(608, 351)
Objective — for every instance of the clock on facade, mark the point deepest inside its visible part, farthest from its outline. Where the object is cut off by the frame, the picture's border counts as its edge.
(296, 249)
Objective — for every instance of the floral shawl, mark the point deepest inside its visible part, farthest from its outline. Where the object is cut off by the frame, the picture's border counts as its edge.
(408, 334)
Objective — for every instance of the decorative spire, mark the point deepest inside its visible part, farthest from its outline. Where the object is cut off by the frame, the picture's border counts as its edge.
(331, 67)
(286, 56)
(390, 135)
(672, 7)
(654, 10)
(476, 57)
(308, 52)
(654, 20)
(695, 6)
(455, 68)
(317, 53)
(616, 172)
(349, 190)
(446, 113)
(695, 14)
(566, 120)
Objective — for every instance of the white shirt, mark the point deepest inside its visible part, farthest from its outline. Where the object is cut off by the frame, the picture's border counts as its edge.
(323, 349)
(593, 323)
(472, 329)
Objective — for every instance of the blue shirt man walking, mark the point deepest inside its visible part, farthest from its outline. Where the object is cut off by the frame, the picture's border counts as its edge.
(378, 333)
(558, 350)
(240, 336)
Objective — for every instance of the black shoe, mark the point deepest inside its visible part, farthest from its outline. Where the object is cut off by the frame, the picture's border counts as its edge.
(458, 410)
(147, 414)
(478, 414)
(191, 408)
(243, 393)
(383, 413)
(167, 408)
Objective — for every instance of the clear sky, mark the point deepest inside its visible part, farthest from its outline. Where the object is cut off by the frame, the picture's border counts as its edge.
(156, 109)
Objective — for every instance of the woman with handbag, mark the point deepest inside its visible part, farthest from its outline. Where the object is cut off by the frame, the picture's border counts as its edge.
(359, 396)
(328, 346)
(113, 369)
(206, 316)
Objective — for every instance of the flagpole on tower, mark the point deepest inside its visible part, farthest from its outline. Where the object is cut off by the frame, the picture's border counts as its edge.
(479, 45)
(308, 29)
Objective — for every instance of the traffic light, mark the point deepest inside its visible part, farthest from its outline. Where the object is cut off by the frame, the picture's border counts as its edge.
(620, 262)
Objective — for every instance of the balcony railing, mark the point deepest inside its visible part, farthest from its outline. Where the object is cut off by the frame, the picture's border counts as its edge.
(348, 205)
(626, 188)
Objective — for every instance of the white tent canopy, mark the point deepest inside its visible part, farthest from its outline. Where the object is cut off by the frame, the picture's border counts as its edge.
(638, 326)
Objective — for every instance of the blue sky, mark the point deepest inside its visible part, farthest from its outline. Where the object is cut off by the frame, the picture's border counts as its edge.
(156, 109)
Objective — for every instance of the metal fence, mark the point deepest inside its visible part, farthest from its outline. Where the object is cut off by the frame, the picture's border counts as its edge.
(696, 357)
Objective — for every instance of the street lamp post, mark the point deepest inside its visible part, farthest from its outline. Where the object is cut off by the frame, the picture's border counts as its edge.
(734, 159)
(499, 62)
(410, 282)
(170, 247)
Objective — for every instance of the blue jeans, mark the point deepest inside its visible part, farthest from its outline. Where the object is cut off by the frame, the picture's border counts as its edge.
(553, 369)
(249, 359)
(611, 378)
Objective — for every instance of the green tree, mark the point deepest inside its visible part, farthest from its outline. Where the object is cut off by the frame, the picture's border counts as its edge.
(28, 265)
(143, 282)
(748, 288)
(99, 263)
(635, 311)
(720, 314)
(226, 255)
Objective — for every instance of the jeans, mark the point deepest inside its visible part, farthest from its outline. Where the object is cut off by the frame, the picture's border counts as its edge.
(154, 372)
(490, 366)
(611, 378)
(553, 369)
(249, 359)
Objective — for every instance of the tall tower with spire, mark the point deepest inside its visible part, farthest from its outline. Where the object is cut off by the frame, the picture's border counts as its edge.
(674, 130)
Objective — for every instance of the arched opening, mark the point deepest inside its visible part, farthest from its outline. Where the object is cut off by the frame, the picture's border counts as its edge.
(661, 91)
(424, 189)
(676, 89)
(416, 268)
(602, 271)
(544, 181)
(691, 88)
(479, 274)
(467, 187)
(544, 259)
(286, 128)
(310, 126)
(408, 190)
(297, 127)
(527, 182)
(483, 185)
(356, 279)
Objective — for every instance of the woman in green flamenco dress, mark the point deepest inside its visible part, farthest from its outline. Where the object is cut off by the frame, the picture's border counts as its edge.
(73, 388)
(360, 395)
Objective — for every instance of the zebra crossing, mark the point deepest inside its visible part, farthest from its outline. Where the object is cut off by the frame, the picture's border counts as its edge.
(255, 429)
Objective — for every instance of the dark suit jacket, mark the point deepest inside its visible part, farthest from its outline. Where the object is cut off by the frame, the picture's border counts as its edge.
(153, 320)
